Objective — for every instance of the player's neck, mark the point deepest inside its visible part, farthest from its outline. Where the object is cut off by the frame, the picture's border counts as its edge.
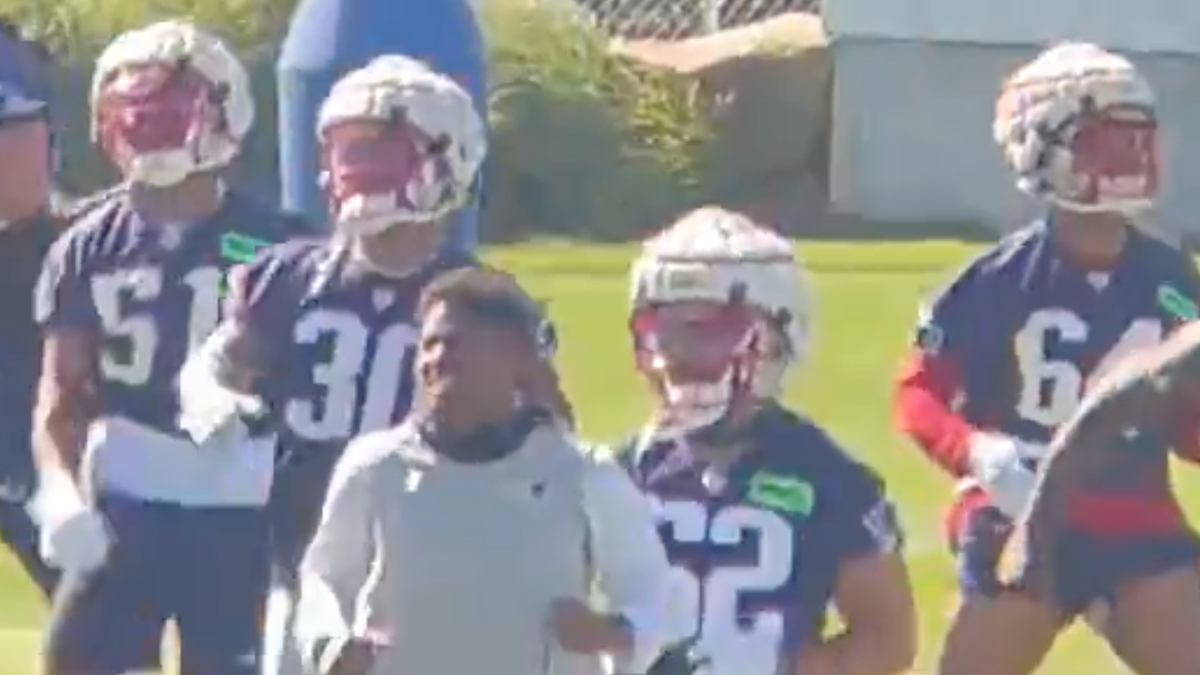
(398, 252)
(459, 427)
(1092, 241)
(195, 199)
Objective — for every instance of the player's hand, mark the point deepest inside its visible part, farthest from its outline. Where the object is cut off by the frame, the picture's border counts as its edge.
(72, 536)
(999, 463)
(582, 630)
(77, 543)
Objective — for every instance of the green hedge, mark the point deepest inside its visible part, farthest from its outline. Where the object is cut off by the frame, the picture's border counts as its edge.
(584, 143)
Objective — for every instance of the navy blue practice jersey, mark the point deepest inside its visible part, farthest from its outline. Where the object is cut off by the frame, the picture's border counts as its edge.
(762, 545)
(148, 292)
(340, 339)
(1024, 329)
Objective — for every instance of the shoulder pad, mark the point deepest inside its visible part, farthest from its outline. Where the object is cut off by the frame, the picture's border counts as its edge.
(78, 208)
(1160, 240)
(294, 256)
(1007, 249)
(304, 256)
(991, 261)
(297, 224)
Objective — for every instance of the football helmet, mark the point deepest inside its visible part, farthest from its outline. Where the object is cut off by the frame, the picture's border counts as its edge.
(400, 144)
(721, 310)
(1078, 125)
(169, 101)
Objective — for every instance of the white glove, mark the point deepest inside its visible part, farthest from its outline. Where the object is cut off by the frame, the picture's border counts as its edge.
(998, 463)
(209, 411)
(72, 536)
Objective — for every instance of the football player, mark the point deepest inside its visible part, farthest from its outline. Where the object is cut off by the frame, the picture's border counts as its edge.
(321, 334)
(1003, 354)
(148, 526)
(1114, 446)
(766, 519)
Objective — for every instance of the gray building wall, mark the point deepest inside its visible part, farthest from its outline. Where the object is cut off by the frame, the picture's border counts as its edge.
(912, 137)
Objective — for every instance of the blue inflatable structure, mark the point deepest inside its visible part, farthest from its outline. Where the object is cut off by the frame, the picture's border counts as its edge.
(328, 38)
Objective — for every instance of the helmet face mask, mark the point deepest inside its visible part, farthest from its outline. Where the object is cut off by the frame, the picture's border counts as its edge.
(151, 118)
(379, 173)
(694, 342)
(720, 315)
(1114, 156)
(1078, 127)
(700, 358)
(401, 145)
(169, 101)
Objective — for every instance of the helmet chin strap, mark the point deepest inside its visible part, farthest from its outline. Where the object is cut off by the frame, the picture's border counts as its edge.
(361, 254)
(730, 425)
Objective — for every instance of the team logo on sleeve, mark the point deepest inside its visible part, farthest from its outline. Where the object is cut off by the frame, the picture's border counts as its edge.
(782, 493)
(547, 339)
(1177, 305)
(884, 526)
(930, 337)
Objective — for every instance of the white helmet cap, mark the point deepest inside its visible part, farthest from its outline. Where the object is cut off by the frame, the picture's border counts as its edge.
(1078, 127)
(169, 101)
(421, 171)
(713, 255)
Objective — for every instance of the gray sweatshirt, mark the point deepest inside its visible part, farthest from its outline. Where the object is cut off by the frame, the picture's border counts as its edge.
(456, 564)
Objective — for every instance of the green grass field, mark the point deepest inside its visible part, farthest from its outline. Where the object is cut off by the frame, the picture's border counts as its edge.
(867, 296)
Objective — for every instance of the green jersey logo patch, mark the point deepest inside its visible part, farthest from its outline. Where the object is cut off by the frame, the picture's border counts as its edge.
(1176, 304)
(239, 249)
(782, 493)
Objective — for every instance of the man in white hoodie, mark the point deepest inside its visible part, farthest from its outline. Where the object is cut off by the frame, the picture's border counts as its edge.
(468, 539)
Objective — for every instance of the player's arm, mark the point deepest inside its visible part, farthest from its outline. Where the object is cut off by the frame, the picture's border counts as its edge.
(337, 566)
(72, 537)
(63, 410)
(632, 574)
(872, 594)
(931, 381)
(1182, 306)
(1145, 391)
(930, 377)
(223, 381)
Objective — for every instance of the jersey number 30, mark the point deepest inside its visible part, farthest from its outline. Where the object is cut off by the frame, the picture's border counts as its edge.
(1050, 389)
(382, 375)
(714, 599)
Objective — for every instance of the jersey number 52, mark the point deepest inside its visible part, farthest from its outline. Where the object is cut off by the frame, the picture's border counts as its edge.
(714, 600)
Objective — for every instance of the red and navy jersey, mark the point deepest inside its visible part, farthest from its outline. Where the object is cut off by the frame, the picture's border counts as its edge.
(1011, 343)
(762, 545)
(339, 338)
(148, 293)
